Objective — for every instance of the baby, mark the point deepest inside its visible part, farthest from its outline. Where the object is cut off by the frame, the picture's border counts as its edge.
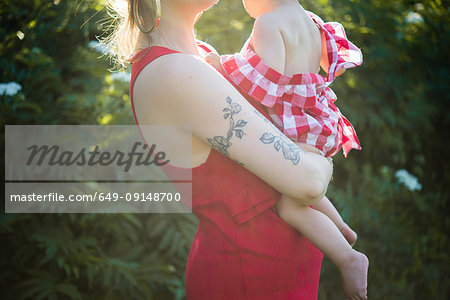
(278, 67)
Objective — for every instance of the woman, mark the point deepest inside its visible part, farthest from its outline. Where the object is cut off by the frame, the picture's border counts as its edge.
(242, 249)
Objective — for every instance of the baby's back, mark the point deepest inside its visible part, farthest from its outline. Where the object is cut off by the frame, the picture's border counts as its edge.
(301, 38)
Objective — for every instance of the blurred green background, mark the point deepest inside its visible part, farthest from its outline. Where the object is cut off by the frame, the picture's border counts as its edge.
(394, 193)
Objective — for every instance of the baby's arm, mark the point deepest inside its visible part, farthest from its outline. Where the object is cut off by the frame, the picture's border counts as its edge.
(247, 42)
(267, 42)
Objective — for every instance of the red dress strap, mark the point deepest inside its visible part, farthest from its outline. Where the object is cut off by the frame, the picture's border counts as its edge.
(140, 61)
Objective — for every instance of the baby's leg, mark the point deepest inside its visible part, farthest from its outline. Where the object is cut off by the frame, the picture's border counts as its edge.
(325, 206)
(324, 234)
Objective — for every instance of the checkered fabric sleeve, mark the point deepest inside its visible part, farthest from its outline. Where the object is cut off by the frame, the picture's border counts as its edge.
(301, 105)
(341, 52)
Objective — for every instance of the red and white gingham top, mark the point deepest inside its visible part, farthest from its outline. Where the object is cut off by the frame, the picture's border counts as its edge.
(301, 105)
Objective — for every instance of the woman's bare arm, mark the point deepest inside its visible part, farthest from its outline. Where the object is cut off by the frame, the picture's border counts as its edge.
(189, 91)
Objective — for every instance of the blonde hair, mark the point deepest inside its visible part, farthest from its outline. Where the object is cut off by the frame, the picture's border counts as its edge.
(124, 38)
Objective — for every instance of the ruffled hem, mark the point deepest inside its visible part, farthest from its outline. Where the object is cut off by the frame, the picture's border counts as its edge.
(341, 52)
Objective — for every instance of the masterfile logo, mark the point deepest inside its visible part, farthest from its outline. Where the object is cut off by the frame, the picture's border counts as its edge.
(84, 168)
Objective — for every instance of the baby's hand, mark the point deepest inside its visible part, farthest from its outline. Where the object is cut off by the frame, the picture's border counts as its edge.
(214, 60)
(307, 148)
(340, 72)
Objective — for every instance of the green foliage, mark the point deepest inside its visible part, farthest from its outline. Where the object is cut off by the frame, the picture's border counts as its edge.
(397, 100)
(226, 34)
(47, 49)
(95, 256)
(63, 81)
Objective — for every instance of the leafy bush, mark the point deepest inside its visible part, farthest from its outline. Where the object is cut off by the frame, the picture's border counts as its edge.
(398, 102)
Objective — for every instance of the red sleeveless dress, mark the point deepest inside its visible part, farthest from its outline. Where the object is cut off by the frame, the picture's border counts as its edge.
(242, 249)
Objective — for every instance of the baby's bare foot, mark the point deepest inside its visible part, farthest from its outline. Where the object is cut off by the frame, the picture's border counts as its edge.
(349, 234)
(354, 276)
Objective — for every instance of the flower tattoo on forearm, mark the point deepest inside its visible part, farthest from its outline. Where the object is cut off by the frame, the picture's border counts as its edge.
(222, 143)
(290, 150)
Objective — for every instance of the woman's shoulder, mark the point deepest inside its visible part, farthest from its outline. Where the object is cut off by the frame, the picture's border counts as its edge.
(157, 62)
(171, 79)
(174, 68)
